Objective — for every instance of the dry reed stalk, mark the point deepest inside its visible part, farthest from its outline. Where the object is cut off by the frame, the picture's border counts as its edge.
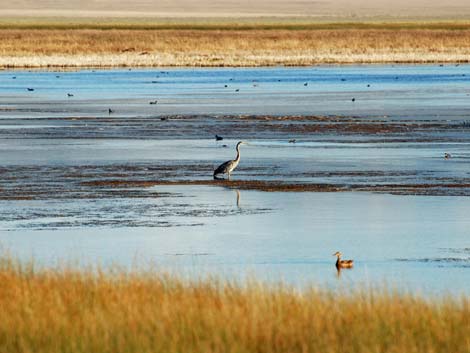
(65, 310)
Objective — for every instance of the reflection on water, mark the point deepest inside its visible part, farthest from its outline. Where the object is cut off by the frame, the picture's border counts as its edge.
(288, 236)
(79, 183)
(340, 269)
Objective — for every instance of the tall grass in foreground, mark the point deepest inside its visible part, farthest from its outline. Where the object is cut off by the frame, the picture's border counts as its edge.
(70, 311)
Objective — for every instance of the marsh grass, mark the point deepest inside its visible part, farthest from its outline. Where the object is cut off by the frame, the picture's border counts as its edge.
(225, 44)
(65, 310)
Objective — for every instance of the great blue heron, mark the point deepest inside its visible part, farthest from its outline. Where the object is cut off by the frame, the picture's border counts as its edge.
(342, 263)
(229, 166)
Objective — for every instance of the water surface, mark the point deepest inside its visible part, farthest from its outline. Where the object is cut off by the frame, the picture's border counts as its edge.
(61, 156)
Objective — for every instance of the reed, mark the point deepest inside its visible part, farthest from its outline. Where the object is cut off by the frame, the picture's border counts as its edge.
(248, 46)
(65, 310)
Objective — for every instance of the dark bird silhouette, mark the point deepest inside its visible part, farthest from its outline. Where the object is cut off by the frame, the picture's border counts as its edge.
(447, 156)
(218, 138)
(293, 141)
(110, 111)
(306, 84)
(353, 100)
(69, 95)
(153, 102)
(229, 166)
(30, 89)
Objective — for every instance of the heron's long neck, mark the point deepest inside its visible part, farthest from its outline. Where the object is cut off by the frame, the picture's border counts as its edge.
(238, 154)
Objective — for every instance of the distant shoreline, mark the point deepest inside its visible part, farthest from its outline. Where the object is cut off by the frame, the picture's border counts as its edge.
(120, 43)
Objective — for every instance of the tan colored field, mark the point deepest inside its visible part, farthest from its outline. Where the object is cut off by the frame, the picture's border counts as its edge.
(229, 45)
(328, 9)
(68, 311)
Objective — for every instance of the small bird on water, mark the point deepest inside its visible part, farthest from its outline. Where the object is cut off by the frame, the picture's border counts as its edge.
(447, 156)
(229, 166)
(218, 138)
(342, 263)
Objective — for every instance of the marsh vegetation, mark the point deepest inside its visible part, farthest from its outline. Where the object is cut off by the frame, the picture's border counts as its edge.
(65, 310)
(226, 44)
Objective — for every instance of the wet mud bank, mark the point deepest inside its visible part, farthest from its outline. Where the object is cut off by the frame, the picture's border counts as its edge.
(326, 128)
(142, 180)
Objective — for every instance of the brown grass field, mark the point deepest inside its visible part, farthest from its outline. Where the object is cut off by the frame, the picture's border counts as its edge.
(64, 310)
(121, 44)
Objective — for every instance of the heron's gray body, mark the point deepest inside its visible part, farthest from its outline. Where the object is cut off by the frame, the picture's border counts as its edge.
(229, 166)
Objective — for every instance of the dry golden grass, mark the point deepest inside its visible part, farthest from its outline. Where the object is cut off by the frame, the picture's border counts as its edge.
(68, 311)
(248, 46)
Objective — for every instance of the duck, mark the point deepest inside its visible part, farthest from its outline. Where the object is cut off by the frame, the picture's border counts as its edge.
(343, 263)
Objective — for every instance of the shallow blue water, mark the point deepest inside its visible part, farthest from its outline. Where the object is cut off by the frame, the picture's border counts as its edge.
(418, 92)
(411, 242)
(407, 242)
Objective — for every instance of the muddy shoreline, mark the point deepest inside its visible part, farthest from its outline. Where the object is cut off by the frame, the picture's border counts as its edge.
(336, 128)
(143, 181)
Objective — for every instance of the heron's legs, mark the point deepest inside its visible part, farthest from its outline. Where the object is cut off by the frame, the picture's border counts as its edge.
(228, 175)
